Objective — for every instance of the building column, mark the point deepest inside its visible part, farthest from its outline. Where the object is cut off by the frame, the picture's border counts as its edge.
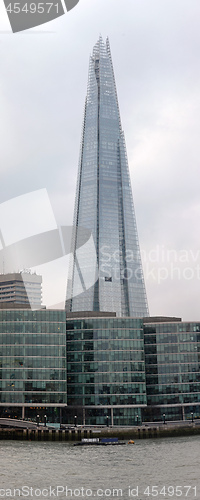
(183, 412)
(23, 412)
(111, 414)
(84, 416)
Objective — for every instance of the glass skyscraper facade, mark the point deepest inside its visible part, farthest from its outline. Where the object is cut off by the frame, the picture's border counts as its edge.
(172, 361)
(105, 368)
(126, 370)
(132, 369)
(104, 205)
(32, 358)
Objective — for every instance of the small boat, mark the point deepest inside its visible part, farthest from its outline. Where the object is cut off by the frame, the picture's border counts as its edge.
(99, 441)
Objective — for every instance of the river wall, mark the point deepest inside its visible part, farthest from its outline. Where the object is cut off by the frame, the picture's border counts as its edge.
(126, 433)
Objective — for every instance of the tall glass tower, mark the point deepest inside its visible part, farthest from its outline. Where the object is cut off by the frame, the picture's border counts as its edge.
(104, 205)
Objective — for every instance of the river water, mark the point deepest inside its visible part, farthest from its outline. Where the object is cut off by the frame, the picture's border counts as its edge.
(160, 468)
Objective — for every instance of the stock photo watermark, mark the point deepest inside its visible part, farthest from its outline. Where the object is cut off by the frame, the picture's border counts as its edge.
(30, 238)
(159, 264)
(25, 15)
(136, 491)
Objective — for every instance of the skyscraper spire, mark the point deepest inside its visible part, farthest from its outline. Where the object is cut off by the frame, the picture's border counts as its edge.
(104, 204)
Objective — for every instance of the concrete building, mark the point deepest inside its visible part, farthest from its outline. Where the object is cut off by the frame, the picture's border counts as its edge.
(21, 288)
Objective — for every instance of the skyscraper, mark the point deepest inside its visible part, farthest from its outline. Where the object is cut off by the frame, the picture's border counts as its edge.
(104, 205)
(24, 288)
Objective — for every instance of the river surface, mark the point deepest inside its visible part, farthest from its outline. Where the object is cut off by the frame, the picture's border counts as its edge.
(160, 468)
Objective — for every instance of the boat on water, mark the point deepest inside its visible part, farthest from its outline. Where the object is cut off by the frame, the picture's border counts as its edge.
(99, 442)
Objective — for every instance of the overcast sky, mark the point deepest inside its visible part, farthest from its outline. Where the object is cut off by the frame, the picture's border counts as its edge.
(43, 80)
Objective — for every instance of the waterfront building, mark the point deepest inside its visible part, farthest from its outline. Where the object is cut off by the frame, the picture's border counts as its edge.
(120, 371)
(131, 370)
(32, 361)
(105, 368)
(104, 205)
(123, 368)
(172, 364)
(21, 288)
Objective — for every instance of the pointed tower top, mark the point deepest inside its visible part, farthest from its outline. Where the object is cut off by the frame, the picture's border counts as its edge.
(104, 205)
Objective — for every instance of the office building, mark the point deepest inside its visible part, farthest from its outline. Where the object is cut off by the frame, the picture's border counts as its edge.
(172, 364)
(132, 370)
(32, 361)
(104, 205)
(107, 361)
(21, 288)
(120, 371)
(105, 368)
